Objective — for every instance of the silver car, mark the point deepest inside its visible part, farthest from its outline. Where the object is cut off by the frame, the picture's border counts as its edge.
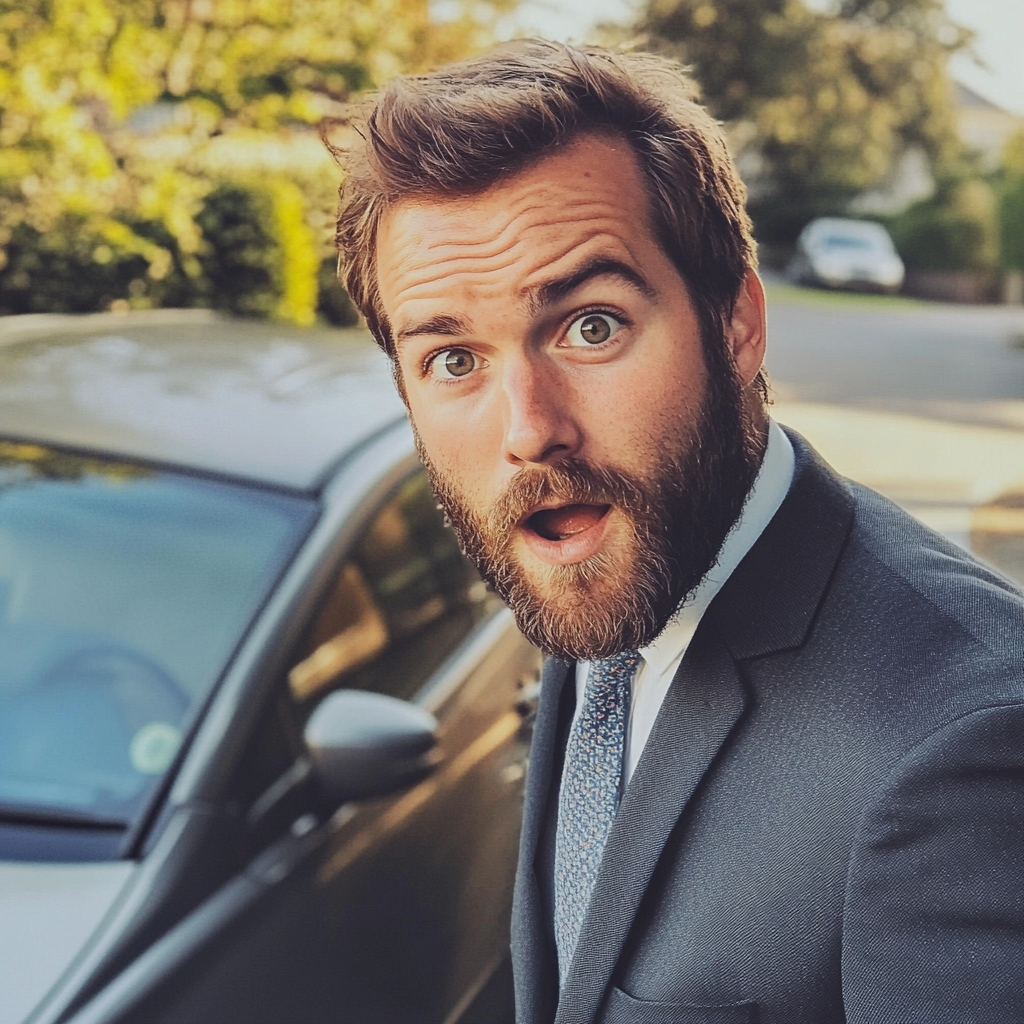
(835, 252)
(262, 726)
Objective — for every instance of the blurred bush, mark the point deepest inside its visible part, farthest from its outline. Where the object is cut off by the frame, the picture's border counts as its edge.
(1010, 188)
(957, 228)
(1011, 223)
(259, 257)
(69, 268)
(162, 152)
(822, 103)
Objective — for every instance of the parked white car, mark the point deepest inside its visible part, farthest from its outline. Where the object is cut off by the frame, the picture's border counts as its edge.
(835, 252)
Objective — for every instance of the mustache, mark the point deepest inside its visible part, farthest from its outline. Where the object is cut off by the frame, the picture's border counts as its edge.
(571, 482)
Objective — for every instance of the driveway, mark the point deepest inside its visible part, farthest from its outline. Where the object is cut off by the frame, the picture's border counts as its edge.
(921, 401)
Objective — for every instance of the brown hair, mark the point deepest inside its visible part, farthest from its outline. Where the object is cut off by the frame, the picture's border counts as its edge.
(462, 128)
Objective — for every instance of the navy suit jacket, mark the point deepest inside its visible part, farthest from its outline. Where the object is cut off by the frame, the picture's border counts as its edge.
(827, 822)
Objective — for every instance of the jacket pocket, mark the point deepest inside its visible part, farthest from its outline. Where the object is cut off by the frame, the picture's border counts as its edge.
(622, 1008)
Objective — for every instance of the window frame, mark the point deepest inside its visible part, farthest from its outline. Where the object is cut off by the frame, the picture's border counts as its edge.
(370, 507)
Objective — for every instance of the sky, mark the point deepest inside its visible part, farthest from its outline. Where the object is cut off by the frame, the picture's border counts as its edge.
(1000, 43)
(999, 25)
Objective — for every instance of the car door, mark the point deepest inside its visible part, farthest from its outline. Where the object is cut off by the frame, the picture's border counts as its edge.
(394, 909)
(416, 890)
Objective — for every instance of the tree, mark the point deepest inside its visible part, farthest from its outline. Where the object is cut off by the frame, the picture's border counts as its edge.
(120, 118)
(68, 70)
(828, 101)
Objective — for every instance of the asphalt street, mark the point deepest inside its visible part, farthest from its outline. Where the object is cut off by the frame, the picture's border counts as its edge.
(922, 401)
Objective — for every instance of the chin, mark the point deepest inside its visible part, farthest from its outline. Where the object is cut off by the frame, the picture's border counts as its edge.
(582, 610)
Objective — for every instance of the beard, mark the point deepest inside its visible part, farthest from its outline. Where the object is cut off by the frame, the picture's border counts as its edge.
(676, 520)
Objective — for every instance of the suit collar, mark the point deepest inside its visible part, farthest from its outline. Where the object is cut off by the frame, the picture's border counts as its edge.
(769, 602)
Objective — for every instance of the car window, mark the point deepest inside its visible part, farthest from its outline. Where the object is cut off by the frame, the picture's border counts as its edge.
(850, 242)
(123, 592)
(400, 605)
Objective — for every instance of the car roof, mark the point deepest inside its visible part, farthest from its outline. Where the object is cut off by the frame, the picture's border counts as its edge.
(269, 402)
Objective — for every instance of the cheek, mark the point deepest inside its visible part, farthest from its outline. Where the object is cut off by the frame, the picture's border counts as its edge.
(627, 410)
(458, 446)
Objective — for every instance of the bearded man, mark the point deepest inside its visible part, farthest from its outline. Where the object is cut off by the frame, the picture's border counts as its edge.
(777, 772)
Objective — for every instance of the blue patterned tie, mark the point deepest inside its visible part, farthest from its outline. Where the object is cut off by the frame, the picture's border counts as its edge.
(590, 794)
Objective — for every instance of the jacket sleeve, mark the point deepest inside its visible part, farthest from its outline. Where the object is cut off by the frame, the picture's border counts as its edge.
(933, 929)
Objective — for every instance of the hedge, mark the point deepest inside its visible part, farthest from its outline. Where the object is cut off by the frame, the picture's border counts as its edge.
(258, 257)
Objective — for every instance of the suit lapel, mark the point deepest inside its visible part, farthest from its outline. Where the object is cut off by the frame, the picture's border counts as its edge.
(702, 707)
(536, 975)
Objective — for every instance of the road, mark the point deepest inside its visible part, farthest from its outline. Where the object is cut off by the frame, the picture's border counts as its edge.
(923, 401)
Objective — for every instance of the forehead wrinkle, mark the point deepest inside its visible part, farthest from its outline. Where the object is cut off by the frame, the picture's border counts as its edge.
(605, 247)
(576, 209)
(487, 256)
(487, 239)
(439, 255)
(433, 272)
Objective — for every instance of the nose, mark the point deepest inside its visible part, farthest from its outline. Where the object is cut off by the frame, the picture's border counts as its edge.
(540, 424)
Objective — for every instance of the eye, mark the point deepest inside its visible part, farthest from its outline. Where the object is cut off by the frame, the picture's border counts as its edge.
(592, 329)
(452, 362)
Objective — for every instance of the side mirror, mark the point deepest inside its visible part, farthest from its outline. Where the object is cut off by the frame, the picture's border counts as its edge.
(366, 744)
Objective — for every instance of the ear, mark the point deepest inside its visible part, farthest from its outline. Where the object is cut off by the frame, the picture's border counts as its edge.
(747, 331)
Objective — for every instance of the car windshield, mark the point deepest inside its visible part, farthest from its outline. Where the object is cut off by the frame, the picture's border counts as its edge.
(865, 239)
(123, 592)
(850, 242)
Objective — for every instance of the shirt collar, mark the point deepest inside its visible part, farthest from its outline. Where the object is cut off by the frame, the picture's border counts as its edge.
(766, 495)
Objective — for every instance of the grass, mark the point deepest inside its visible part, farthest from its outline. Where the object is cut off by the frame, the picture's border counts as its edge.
(782, 291)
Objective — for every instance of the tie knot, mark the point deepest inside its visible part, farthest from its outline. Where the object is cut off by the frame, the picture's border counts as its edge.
(616, 669)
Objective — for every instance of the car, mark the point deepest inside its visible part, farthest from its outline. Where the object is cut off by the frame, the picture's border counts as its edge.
(837, 252)
(262, 726)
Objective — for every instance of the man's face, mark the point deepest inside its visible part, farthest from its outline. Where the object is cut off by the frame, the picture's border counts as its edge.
(554, 370)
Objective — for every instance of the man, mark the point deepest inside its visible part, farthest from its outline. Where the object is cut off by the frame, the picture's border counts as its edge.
(777, 772)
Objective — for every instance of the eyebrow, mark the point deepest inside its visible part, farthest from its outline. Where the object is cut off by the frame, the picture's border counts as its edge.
(538, 297)
(443, 323)
(602, 266)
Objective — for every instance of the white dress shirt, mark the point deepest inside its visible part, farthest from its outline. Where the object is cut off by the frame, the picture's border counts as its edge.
(662, 657)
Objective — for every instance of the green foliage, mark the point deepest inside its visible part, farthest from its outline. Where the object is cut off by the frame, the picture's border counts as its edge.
(1011, 205)
(239, 259)
(828, 101)
(300, 258)
(124, 123)
(955, 229)
(1013, 154)
(1011, 223)
(259, 256)
(78, 266)
(67, 269)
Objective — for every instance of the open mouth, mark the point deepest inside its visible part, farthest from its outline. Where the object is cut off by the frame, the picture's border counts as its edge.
(555, 524)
